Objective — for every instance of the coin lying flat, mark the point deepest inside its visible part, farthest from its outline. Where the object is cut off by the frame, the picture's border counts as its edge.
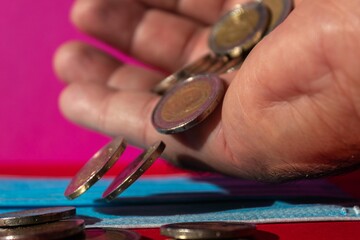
(35, 216)
(110, 234)
(95, 168)
(208, 230)
(279, 10)
(47, 231)
(134, 170)
(187, 104)
(240, 29)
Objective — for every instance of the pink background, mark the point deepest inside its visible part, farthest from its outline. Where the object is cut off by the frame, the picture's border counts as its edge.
(32, 129)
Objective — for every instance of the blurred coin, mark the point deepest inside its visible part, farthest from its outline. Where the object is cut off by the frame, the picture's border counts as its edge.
(208, 230)
(187, 104)
(110, 234)
(95, 168)
(134, 170)
(47, 231)
(198, 66)
(35, 216)
(231, 65)
(279, 10)
(240, 29)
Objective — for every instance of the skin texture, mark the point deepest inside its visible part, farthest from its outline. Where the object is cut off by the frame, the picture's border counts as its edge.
(291, 111)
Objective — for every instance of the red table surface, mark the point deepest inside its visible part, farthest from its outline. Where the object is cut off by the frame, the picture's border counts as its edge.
(286, 231)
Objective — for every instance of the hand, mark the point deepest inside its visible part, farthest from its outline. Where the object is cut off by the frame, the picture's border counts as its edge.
(291, 111)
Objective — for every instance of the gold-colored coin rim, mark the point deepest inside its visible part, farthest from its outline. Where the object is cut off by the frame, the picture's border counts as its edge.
(217, 93)
(251, 40)
(287, 6)
(96, 176)
(36, 216)
(136, 169)
(205, 230)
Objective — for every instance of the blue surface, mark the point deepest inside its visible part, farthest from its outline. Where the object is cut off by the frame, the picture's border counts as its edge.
(151, 202)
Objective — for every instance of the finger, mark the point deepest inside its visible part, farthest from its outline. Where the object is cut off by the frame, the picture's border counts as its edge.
(131, 77)
(128, 113)
(76, 61)
(146, 34)
(107, 110)
(292, 104)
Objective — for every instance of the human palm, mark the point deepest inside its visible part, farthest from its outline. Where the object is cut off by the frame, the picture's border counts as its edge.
(291, 111)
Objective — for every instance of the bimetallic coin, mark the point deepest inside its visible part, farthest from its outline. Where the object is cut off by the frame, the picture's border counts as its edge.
(187, 104)
(95, 168)
(35, 216)
(47, 231)
(279, 10)
(208, 230)
(134, 170)
(239, 30)
(110, 234)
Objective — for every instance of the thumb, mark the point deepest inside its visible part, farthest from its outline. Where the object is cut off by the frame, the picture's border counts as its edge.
(294, 105)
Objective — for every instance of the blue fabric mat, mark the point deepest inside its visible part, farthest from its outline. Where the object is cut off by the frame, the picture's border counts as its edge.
(151, 202)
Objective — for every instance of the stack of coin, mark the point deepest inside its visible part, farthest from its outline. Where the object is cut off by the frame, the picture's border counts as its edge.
(209, 230)
(231, 39)
(103, 160)
(56, 223)
(42, 223)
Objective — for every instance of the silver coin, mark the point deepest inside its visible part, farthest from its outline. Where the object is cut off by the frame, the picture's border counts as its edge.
(188, 104)
(240, 29)
(279, 10)
(35, 216)
(110, 234)
(95, 168)
(208, 230)
(47, 231)
(134, 170)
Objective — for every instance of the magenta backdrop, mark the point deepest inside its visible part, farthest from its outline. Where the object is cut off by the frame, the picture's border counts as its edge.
(32, 129)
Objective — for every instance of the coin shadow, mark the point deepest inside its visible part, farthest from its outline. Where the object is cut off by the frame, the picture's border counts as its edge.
(263, 235)
(124, 208)
(89, 220)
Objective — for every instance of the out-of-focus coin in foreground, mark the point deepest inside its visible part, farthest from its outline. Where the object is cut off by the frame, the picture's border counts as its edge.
(134, 170)
(110, 234)
(240, 29)
(279, 10)
(188, 103)
(208, 230)
(47, 231)
(95, 168)
(35, 216)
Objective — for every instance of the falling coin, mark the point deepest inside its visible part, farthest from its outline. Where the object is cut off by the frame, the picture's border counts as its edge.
(135, 169)
(110, 234)
(187, 104)
(208, 230)
(47, 231)
(35, 216)
(95, 168)
(240, 29)
(279, 10)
